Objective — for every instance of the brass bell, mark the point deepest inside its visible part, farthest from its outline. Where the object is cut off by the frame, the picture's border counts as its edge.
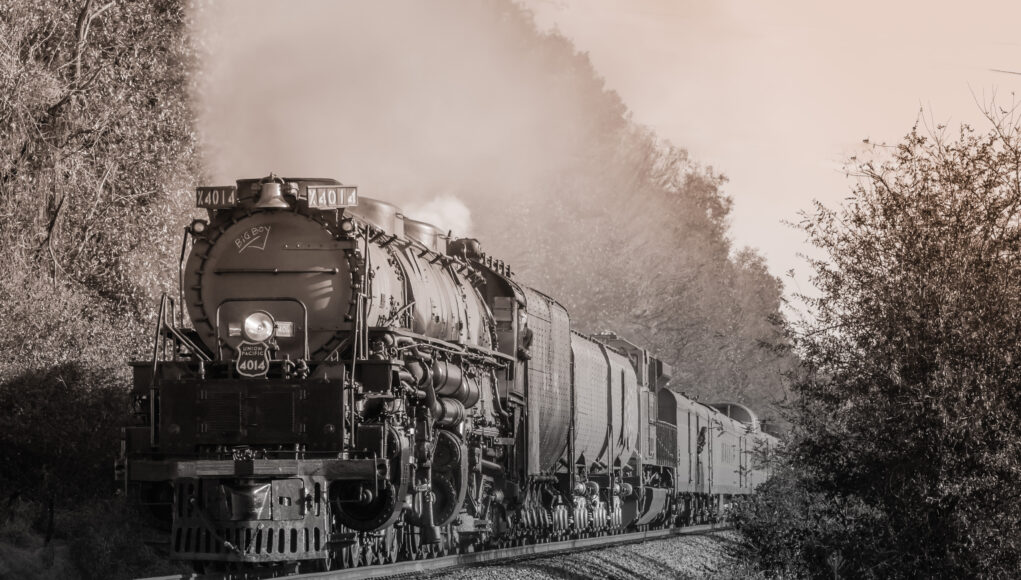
(271, 196)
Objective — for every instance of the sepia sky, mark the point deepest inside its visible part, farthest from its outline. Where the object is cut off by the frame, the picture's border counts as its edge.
(776, 95)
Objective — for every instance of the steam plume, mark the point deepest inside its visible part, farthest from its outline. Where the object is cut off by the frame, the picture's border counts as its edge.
(446, 212)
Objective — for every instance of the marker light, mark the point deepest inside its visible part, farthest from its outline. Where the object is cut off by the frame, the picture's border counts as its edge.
(285, 329)
(259, 326)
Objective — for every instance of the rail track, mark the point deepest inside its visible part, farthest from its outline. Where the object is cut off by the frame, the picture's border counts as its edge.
(460, 560)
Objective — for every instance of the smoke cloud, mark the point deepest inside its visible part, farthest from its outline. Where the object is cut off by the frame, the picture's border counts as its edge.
(400, 98)
(445, 212)
(416, 103)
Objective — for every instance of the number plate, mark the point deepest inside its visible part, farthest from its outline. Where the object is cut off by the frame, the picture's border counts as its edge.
(224, 197)
(332, 196)
(253, 359)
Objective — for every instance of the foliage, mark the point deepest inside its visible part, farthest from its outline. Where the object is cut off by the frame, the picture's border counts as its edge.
(107, 540)
(98, 539)
(96, 140)
(795, 531)
(59, 432)
(908, 405)
(96, 134)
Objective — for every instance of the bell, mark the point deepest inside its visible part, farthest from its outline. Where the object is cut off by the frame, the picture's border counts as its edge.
(270, 196)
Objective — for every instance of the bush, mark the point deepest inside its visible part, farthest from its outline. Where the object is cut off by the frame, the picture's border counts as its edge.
(796, 532)
(63, 391)
(907, 424)
(59, 433)
(102, 539)
(107, 540)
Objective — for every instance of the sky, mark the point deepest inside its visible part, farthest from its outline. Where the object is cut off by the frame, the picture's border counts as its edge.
(778, 95)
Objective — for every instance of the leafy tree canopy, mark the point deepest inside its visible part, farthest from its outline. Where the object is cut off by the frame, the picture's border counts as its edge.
(908, 422)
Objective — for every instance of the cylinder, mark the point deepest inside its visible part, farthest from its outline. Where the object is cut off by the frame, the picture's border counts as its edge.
(471, 391)
(447, 378)
(448, 412)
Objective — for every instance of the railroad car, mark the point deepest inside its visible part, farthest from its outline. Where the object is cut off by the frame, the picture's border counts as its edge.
(336, 384)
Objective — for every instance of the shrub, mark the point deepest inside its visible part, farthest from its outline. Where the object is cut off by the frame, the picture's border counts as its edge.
(907, 424)
(108, 540)
(795, 531)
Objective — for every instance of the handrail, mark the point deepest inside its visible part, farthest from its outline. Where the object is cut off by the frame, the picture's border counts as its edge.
(181, 338)
(304, 309)
(164, 330)
(153, 428)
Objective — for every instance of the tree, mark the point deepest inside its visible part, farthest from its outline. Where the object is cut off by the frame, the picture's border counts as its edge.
(96, 142)
(908, 419)
(95, 146)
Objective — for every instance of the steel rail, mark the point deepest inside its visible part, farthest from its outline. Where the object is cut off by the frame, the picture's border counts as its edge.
(485, 557)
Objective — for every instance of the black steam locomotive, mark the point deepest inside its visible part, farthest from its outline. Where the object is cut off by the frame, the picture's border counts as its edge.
(355, 387)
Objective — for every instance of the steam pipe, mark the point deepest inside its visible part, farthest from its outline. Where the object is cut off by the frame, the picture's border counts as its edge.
(406, 377)
(420, 372)
(492, 467)
(497, 405)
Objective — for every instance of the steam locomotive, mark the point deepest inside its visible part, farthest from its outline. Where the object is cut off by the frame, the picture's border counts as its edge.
(356, 387)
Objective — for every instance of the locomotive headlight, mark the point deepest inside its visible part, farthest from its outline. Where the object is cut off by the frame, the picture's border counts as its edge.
(259, 326)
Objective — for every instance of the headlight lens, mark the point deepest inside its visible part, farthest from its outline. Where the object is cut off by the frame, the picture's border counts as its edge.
(259, 326)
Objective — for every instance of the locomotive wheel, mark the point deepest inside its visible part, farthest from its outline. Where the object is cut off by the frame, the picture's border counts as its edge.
(424, 550)
(448, 455)
(440, 548)
(449, 544)
(445, 504)
(412, 544)
(370, 552)
(321, 565)
(368, 517)
(350, 555)
(389, 547)
(403, 544)
(454, 545)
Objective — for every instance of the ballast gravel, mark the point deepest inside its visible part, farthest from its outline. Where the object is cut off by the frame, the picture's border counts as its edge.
(709, 555)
